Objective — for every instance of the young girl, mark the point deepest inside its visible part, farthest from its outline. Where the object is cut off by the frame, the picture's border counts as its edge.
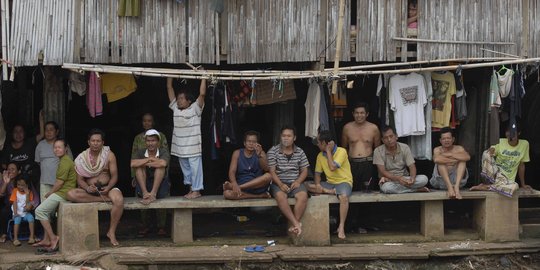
(21, 201)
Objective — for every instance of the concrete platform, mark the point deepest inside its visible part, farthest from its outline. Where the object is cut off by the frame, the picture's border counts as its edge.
(194, 255)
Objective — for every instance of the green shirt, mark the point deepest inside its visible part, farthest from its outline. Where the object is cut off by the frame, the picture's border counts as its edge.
(509, 157)
(66, 172)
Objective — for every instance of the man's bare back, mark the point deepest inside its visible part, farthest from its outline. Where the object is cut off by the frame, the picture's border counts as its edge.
(360, 139)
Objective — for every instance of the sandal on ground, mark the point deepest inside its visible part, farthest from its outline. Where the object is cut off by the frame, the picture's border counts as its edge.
(32, 241)
(3, 238)
(16, 243)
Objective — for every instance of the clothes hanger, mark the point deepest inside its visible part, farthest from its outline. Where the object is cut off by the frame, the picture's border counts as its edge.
(503, 68)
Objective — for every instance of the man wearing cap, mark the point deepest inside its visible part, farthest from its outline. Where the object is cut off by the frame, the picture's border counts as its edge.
(150, 165)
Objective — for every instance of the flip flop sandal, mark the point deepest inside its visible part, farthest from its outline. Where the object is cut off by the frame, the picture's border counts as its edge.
(249, 249)
(41, 251)
(259, 249)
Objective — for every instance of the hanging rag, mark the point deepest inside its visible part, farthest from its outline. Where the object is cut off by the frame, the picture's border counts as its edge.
(324, 117)
(84, 166)
(117, 86)
(77, 83)
(129, 8)
(93, 97)
(312, 105)
(420, 145)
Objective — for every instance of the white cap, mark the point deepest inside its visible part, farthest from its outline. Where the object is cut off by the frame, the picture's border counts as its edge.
(152, 132)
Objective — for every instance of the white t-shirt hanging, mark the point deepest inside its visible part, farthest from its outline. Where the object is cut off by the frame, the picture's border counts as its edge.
(407, 99)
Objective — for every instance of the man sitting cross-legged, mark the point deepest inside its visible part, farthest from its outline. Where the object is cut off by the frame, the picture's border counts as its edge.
(248, 171)
(333, 161)
(395, 164)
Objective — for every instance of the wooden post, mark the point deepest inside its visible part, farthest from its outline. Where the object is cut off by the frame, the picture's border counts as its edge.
(525, 30)
(338, 43)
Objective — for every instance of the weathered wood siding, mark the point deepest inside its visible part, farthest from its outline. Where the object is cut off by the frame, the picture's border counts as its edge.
(262, 31)
(378, 21)
(469, 20)
(44, 26)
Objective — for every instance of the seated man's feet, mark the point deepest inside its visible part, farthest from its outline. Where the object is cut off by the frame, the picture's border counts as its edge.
(423, 189)
(189, 194)
(451, 193)
(112, 238)
(227, 186)
(148, 200)
(193, 195)
(458, 194)
(296, 229)
(341, 232)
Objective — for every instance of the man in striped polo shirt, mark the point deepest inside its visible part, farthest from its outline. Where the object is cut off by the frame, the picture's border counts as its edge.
(186, 138)
(289, 168)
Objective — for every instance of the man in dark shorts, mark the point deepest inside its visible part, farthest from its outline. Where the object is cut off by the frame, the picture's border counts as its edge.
(360, 137)
(289, 168)
(248, 171)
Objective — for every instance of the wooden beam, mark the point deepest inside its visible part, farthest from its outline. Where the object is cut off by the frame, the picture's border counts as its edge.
(454, 41)
(338, 42)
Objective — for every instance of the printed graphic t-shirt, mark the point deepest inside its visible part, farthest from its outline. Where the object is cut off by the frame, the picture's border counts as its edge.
(407, 99)
(508, 157)
(444, 86)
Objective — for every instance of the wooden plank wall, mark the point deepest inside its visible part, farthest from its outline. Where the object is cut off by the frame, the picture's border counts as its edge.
(262, 31)
(468, 20)
(99, 29)
(332, 28)
(44, 26)
(534, 28)
(157, 36)
(201, 40)
(378, 21)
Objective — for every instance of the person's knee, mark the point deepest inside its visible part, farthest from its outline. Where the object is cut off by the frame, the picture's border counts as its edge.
(343, 199)
(267, 178)
(72, 195)
(116, 196)
(421, 179)
(280, 196)
(301, 196)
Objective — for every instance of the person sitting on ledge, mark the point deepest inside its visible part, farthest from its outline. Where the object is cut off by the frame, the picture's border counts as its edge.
(248, 171)
(503, 161)
(333, 161)
(393, 159)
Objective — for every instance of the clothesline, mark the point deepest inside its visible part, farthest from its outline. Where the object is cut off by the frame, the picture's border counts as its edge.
(274, 75)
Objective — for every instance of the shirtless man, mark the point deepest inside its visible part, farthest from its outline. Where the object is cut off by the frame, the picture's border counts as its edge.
(97, 175)
(450, 171)
(360, 137)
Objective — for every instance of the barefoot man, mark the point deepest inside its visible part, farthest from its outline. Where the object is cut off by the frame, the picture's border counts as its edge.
(186, 138)
(334, 163)
(361, 137)
(248, 171)
(502, 162)
(395, 164)
(450, 171)
(97, 175)
(289, 168)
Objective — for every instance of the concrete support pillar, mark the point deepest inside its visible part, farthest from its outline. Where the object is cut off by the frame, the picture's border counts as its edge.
(432, 219)
(497, 218)
(78, 227)
(315, 223)
(182, 226)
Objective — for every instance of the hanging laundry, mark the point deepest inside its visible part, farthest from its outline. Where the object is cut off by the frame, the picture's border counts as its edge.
(269, 92)
(421, 144)
(93, 97)
(444, 87)
(324, 117)
(504, 79)
(494, 96)
(338, 102)
(312, 105)
(461, 96)
(384, 106)
(2, 128)
(514, 100)
(129, 8)
(407, 100)
(77, 83)
(117, 86)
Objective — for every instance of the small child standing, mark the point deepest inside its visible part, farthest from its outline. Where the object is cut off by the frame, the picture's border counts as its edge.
(21, 196)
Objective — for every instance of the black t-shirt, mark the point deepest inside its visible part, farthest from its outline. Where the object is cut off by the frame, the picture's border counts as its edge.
(23, 157)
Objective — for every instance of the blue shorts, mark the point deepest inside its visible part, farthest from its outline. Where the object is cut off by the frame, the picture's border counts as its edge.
(341, 188)
(28, 218)
(274, 189)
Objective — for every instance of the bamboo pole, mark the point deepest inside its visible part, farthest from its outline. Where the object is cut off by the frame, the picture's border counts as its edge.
(204, 74)
(501, 53)
(453, 41)
(338, 42)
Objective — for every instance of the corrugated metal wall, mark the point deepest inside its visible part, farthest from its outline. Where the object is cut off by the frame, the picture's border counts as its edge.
(42, 27)
(259, 31)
